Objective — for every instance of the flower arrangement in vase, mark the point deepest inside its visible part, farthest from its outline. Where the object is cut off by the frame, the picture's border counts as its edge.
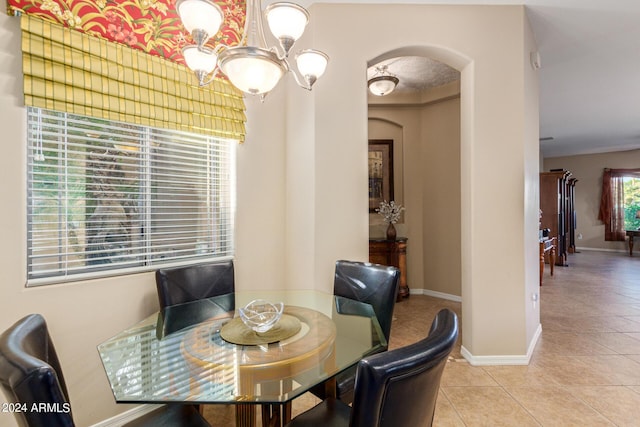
(390, 212)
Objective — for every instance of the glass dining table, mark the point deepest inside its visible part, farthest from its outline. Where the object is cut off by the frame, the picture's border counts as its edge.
(179, 355)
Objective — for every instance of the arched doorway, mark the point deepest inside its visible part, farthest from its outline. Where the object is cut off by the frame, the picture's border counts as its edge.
(423, 119)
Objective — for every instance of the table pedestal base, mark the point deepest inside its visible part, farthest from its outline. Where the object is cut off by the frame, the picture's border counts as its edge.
(245, 415)
(273, 414)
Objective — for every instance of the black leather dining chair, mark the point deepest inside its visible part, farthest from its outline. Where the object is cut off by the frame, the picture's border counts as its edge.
(395, 388)
(198, 282)
(373, 284)
(30, 373)
(194, 282)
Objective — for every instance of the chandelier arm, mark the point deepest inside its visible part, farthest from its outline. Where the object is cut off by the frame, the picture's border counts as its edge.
(213, 74)
(219, 48)
(302, 82)
(282, 56)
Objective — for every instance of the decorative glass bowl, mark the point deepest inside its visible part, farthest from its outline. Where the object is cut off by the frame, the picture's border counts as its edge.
(261, 315)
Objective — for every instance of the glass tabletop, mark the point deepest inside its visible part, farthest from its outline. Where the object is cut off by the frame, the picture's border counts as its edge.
(178, 354)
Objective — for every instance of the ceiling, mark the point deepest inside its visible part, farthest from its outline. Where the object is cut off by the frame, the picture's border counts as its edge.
(415, 73)
(589, 75)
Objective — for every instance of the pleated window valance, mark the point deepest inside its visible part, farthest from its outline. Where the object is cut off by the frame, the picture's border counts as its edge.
(69, 71)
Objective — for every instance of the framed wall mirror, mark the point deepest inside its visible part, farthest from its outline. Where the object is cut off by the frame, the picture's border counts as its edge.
(380, 172)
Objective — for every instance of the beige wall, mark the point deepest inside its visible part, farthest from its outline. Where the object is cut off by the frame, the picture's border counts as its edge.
(430, 172)
(302, 179)
(587, 169)
(440, 167)
(531, 183)
(261, 196)
(490, 45)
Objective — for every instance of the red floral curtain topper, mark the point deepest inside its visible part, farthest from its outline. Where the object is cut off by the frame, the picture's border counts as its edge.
(152, 26)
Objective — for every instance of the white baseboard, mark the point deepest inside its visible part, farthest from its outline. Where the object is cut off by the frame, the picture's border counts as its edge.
(602, 250)
(504, 359)
(435, 294)
(126, 417)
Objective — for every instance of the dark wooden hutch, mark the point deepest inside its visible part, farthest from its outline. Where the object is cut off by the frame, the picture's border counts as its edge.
(557, 202)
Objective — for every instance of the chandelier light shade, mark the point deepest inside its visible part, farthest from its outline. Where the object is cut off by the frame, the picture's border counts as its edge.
(200, 60)
(252, 66)
(252, 70)
(201, 18)
(287, 22)
(311, 64)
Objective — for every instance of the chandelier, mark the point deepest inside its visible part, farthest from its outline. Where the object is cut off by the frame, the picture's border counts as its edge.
(252, 66)
(383, 82)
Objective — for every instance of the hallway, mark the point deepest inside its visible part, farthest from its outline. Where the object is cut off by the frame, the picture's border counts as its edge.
(585, 370)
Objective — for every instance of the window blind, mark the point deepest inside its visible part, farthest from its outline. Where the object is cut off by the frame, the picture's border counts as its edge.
(108, 197)
(66, 70)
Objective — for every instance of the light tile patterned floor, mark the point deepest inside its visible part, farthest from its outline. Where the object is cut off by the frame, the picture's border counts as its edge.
(585, 370)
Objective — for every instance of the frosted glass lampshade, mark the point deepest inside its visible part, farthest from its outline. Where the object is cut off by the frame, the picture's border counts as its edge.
(199, 59)
(252, 70)
(312, 63)
(382, 85)
(201, 18)
(287, 20)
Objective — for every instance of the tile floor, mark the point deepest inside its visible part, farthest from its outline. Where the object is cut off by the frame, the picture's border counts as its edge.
(585, 370)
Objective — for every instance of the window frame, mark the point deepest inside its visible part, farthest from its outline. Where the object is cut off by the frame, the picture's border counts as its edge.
(612, 206)
(149, 261)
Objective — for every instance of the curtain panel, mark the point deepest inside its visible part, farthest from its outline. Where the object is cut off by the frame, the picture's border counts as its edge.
(70, 71)
(612, 202)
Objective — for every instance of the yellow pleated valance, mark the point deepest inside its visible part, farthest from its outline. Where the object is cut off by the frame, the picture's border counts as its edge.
(66, 70)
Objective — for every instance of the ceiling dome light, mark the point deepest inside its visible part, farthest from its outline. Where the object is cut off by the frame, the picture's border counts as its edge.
(383, 85)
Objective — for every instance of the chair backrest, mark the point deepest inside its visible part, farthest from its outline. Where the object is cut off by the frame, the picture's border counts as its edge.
(30, 374)
(194, 282)
(399, 387)
(371, 283)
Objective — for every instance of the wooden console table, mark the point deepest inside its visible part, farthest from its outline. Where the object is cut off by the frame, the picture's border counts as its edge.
(547, 250)
(631, 234)
(393, 253)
